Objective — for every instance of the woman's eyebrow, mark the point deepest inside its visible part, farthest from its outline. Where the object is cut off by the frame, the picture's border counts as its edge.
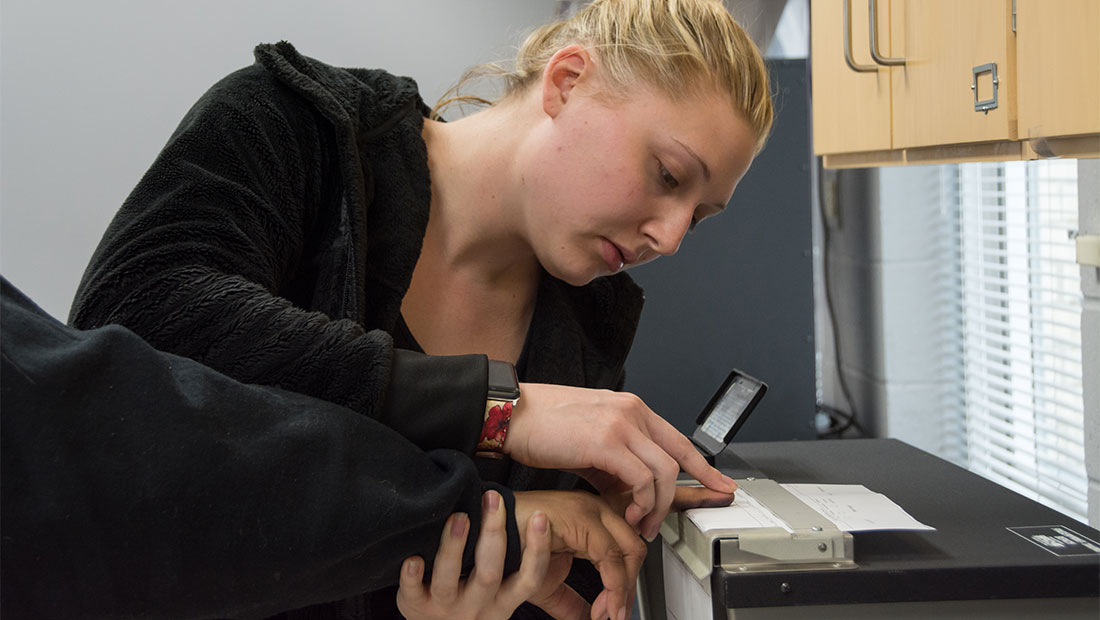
(706, 169)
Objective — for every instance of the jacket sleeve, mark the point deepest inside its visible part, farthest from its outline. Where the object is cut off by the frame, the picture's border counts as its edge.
(141, 484)
(205, 255)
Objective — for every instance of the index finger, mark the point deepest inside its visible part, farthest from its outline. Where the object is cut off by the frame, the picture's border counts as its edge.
(683, 452)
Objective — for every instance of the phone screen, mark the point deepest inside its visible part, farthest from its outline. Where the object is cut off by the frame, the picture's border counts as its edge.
(733, 404)
(727, 411)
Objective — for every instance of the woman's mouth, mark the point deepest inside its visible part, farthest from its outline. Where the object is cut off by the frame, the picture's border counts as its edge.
(613, 256)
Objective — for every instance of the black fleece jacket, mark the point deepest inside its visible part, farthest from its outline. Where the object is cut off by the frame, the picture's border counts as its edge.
(140, 484)
(275, 236)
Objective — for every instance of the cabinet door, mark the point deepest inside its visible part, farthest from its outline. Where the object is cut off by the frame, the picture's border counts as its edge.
(943, 41)
(851, 110)
(1058, 67)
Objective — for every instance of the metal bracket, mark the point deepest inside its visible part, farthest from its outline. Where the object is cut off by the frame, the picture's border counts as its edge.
(984, 105)
(814, 542)
(1088, 250)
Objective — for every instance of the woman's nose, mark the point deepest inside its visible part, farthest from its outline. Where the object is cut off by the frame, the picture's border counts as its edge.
(667, 231)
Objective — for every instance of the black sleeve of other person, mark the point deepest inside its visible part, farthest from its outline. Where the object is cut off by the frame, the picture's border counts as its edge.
(143, 485)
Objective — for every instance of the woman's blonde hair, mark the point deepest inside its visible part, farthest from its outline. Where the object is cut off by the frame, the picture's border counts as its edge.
(680, 47)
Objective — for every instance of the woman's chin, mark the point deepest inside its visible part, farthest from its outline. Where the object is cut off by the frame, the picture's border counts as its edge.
(576, 277)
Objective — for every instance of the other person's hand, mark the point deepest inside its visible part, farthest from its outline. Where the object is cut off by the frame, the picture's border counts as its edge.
(613, 440)
(485, 594)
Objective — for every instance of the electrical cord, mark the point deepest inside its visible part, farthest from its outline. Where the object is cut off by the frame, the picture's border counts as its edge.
(839, 421)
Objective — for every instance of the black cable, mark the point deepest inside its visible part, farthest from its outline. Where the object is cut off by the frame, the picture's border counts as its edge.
(839, 423)
(843, 421)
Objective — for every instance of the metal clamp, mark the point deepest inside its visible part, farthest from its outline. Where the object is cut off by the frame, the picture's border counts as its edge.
(848, 41)
(985, 105)
(872, 22)
(1088, 250)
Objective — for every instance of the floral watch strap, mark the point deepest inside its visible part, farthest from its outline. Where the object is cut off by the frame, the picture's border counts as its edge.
(498, 414)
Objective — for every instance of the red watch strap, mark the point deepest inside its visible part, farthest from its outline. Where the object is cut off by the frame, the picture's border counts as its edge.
(498, 415)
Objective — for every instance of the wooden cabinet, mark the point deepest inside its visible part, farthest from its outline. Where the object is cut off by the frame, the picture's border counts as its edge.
(950, 46)
(1058, 51)
(950, 80)
(851, 106)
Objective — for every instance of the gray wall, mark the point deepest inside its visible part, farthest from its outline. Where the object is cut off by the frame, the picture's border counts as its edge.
(845, 268)
(90, 91)
(739, 293)
(1088, 196)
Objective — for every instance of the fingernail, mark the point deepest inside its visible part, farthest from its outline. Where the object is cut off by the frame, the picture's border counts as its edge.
(730, 484)
(539, 522)
(412, 567)
(490, 501)
(458, 524)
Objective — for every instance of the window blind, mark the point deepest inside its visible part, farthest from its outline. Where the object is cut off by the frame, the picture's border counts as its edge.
(1020, 329)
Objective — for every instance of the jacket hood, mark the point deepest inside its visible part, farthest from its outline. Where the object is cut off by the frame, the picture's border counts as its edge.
(366, 100)
(377, 119)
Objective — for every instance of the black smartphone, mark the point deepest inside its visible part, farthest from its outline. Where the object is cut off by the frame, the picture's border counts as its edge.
(727, 411)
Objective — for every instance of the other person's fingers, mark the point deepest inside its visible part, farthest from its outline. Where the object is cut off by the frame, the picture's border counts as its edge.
(530, 578)
(412, 595)
(447, 568)
(492, 544)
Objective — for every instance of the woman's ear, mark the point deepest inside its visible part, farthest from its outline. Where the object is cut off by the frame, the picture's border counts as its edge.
(566, 68)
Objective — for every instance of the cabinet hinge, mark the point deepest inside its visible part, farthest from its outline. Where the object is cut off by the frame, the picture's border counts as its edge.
(1013, 16)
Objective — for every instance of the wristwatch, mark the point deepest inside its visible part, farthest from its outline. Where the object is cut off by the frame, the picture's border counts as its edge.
(502, 396)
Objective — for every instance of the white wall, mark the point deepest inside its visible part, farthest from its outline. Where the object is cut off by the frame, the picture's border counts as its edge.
(90, 91)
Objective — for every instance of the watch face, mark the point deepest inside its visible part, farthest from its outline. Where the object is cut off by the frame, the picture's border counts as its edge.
(503, 383)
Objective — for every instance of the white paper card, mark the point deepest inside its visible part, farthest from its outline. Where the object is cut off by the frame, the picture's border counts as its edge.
(854, 507)
(851, 507)
(744, 512)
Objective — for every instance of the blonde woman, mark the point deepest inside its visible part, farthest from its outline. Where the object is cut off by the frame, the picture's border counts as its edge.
(309, 228)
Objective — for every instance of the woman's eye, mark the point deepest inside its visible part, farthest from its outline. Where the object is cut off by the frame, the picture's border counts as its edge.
(667, 178)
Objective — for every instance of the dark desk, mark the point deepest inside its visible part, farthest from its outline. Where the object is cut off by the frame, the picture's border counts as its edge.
(972, 556)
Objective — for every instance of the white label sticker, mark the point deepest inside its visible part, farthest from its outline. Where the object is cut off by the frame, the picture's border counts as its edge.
(1058, 539)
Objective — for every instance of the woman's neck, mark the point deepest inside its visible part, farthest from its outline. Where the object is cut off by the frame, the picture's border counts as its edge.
(476, 228)
(476, 254)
